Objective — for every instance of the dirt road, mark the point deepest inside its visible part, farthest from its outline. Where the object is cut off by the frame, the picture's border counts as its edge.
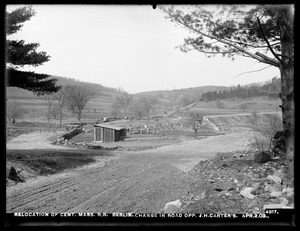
(140, 181)
(34, 140)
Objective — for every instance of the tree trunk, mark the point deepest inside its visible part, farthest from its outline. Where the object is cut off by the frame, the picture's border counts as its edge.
(60, 118)
(79, 114)
(288, 114)
(287, 91)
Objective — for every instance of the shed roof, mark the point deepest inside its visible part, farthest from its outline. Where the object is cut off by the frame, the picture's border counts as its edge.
(109, 126)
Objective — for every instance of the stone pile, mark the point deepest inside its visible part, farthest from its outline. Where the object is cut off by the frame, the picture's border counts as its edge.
(159, 129)
(234, 183)
(66, 142)
(70, 134)
(64, 139)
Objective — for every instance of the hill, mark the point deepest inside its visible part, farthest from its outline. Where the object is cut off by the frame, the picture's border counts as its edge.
(179, 92)
(168, 101)
(180, 97)
(18, 93)
(35, 106)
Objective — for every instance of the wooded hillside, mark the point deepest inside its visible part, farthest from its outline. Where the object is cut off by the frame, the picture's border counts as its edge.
(270, 88)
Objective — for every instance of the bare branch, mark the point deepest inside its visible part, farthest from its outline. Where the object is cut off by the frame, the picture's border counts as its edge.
(251, 71)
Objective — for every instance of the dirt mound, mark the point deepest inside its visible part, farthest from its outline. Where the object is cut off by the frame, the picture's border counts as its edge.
(31, 163)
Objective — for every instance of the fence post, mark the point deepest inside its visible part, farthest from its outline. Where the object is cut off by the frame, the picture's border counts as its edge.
(40, 130)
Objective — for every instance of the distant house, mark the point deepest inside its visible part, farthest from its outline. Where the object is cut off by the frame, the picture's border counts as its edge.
(108, 133)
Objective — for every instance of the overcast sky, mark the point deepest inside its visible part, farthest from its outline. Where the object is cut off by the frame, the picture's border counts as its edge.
(132, 47)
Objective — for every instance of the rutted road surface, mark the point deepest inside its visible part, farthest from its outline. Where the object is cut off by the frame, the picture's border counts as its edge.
(142, 181)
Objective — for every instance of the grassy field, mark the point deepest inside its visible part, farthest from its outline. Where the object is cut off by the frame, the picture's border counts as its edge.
(234, 105)
(95, 109)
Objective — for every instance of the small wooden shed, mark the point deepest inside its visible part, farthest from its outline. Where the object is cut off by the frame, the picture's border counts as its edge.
(108, 133)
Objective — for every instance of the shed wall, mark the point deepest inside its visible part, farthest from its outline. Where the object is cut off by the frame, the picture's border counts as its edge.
(108, 135)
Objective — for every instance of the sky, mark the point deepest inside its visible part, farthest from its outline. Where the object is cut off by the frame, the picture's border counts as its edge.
(127, 46)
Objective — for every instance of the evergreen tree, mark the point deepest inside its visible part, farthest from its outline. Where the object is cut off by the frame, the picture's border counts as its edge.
(19, 54)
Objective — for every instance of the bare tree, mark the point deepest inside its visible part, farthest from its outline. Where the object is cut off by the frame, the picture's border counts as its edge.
(60, 96)
(55, 112)
(77, 98)
(123, 101)
(115, 110)
(194, 120)
(137, 109)
(49, 99)
(144, 106)
(264, 128)
(14, 111)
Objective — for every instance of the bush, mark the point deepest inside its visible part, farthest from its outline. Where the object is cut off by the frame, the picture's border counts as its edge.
(265, 128)
(262, 157)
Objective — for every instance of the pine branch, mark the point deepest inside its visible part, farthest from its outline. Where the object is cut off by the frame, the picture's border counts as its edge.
(265, 38)
(39, 84)
(213, 52)
(238, 29)
(254, 56)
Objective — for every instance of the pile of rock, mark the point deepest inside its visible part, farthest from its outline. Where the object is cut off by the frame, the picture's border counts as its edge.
(70, 134)
(64, 139)
(234, 183)
(66, 142)
(59, 141)
(159, 128)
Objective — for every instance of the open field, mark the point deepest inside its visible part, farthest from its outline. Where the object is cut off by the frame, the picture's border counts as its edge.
(232, 106)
